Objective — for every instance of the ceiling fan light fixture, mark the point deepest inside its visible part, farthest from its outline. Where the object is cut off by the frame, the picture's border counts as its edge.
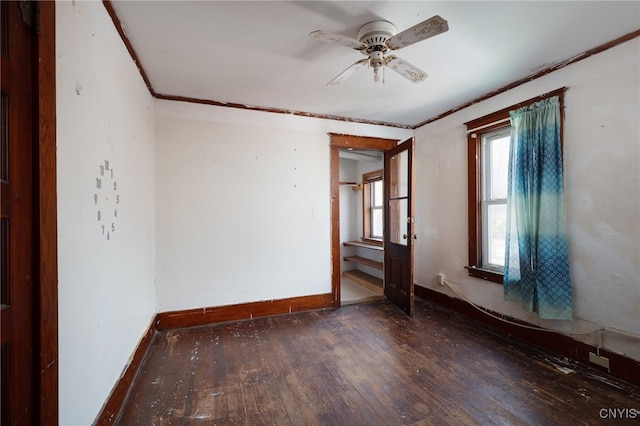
(376, 38)
(376, 61)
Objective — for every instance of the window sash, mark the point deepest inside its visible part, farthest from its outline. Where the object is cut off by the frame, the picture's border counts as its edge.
(373, 211)
(376, 201)
(491, 240)
(371, 204)
(488, 142)
(488, 242)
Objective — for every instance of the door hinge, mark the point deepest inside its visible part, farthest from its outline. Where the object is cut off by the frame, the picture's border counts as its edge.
(30, 11)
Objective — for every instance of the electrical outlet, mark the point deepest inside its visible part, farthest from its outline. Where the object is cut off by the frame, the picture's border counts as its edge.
(440, 278)
(599, 360)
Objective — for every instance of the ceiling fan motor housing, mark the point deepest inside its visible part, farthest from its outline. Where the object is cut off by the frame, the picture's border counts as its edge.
(375, 34)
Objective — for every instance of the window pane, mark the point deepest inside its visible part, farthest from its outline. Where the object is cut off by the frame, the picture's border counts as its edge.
(398, 221)
(399, 165)
(499, 166)
(496, 234)
(376, 192)
(376, 223)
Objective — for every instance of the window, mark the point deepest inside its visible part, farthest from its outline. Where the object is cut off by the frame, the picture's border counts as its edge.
(488, 141)
(372, 202)
(495, 160)
(488, 167)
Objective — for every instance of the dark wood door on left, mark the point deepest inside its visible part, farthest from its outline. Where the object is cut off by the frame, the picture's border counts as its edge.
(398, 228)
(17, 218)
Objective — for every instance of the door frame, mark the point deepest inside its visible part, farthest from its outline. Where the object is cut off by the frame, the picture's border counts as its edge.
(338, 142)
(45, 231)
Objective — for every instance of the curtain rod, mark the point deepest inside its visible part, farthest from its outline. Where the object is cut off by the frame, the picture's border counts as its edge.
(504, 120)
(557, 92)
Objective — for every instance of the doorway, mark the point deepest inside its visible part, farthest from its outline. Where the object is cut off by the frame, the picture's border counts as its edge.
(361, 225)
(399, 222)
(345, 143)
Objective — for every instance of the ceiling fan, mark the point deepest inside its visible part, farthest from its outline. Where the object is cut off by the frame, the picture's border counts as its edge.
(376, 38)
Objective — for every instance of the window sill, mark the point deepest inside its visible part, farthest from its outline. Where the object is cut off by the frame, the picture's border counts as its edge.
(375, 241)
(485, 274)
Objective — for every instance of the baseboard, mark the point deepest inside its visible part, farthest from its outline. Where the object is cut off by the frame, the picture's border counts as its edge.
(620, 366)
(242, 311)
(111, 408)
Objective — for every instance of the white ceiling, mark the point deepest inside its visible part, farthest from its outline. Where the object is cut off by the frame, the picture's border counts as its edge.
(258, 53)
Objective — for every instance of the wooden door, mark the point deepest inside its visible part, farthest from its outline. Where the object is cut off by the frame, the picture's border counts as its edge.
(398, 228)
(17, 217)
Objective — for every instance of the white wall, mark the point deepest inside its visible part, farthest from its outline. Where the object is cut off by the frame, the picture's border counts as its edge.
(349, 230)
(602, 177)
(243, 204)
(106, 288)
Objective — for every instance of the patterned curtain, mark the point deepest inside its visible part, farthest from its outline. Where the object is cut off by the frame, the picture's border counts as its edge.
(536, 272)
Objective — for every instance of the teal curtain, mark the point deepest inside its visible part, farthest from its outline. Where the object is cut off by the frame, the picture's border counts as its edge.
(536, 272)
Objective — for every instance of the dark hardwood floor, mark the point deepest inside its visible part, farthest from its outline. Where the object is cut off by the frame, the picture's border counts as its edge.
(364, 364)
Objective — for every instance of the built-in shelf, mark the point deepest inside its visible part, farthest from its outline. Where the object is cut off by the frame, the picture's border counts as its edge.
(362, 244)
(364, 261)
(365, 280)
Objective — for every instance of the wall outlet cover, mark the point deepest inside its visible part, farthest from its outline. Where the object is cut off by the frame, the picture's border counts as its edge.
(599, 360)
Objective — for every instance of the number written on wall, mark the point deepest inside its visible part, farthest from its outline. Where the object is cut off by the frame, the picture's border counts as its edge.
(106, 200)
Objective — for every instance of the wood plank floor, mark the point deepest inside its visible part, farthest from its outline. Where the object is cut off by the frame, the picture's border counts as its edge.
(363, 364)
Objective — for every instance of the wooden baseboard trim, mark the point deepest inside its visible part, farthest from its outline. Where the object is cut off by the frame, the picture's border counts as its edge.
(242, 311)
(111, 409)
(621, 367)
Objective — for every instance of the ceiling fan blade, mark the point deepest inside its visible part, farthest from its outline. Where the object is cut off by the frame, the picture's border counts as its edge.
(425, 29)
(337, 39)
(405, 69)
(346, 73)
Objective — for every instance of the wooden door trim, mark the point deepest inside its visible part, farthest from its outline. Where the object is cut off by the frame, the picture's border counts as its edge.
(45, 223)
(18, 245)
(41, 403)
(340, 141)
